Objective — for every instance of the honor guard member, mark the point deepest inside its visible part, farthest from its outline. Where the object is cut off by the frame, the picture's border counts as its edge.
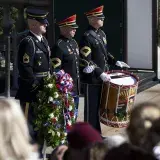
(96, 60)
(33, 62)
(65, 54)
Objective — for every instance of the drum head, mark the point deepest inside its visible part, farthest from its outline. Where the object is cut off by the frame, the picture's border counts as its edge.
(122, 79)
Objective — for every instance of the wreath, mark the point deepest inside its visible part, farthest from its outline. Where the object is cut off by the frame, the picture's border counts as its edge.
(55, 110)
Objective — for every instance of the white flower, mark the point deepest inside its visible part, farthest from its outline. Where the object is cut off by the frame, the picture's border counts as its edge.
(59, 107)
(70, 107)
(50, 85)
(58, 134)
(62, 82)
(50, 99)
(65, 134)
(63, 141)
(72, 99)
(56, 95)
(69, 123)
(51, 115)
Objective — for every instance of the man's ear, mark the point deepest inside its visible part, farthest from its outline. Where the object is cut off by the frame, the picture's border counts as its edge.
(91, 19)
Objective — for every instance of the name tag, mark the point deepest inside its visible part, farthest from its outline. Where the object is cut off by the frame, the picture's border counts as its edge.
(39, 51)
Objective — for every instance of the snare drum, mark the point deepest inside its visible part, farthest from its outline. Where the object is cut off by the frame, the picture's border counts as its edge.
(117, 98)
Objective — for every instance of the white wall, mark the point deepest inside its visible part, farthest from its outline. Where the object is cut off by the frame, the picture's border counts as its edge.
(139, 18)
(158, 62)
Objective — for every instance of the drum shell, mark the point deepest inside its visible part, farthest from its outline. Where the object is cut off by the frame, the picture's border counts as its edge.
(117, 102)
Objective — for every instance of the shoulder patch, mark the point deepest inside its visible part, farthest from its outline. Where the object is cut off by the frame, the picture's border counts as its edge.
(85, 51)
(25, 58)
(56, 62)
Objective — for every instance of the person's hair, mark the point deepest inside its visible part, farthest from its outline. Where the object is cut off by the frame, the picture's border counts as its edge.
(31, 23)
(97, 151)
(141, 120)
(77, 154)
(91, 20)
(115, 141)
(14, 135)
(152, 139)
(128, 152)
(64, 31)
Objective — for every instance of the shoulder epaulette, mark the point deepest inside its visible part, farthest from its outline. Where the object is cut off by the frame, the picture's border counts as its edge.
(28, 38)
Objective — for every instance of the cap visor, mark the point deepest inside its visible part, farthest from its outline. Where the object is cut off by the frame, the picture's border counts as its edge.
(43, 21)
(74, 26)
(101, 16)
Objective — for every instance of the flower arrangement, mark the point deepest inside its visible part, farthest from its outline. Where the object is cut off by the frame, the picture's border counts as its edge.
(55, 108)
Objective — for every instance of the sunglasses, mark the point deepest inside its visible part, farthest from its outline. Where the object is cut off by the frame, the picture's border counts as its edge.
(100, 18)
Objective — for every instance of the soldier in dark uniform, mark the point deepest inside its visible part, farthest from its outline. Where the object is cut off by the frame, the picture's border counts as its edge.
(33, 62)
(65, 54)
(96, 58)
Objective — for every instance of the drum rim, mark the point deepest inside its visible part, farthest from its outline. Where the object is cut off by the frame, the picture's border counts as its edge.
(126, 72)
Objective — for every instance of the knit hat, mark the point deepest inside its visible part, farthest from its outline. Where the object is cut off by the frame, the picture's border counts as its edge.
(82, 135)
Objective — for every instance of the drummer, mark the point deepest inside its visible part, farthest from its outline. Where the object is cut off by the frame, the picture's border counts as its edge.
(93, 51)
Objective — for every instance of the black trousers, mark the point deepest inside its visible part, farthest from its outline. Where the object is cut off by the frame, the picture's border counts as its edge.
(92, 95)
(29, 114)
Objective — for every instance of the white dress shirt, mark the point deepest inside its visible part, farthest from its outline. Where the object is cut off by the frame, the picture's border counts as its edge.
(39, 37)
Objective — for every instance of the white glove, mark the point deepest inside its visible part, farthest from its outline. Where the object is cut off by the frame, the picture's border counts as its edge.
(105, 77)
(89, 69)
(122, 64)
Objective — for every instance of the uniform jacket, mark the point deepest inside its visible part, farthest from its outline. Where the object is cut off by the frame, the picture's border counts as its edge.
(65, 55)
(93, 51)
(33, 58)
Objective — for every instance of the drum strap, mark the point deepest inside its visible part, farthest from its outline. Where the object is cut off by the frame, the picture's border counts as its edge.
(93, 34)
